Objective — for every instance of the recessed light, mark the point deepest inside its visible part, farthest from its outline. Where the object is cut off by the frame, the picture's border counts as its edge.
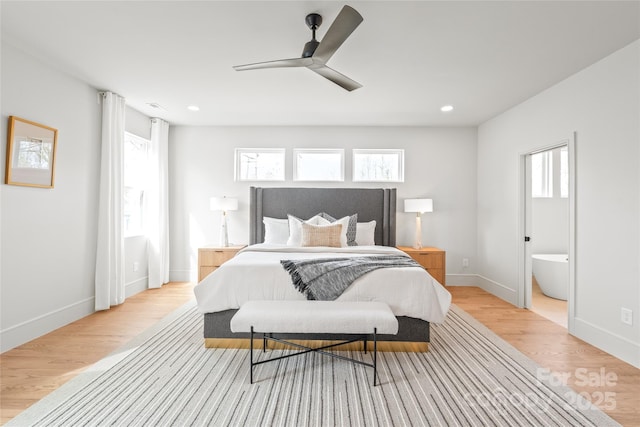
(193, 108)
(446, 108)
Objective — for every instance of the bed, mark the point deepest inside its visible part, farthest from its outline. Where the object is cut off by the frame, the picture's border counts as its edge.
(254, 271)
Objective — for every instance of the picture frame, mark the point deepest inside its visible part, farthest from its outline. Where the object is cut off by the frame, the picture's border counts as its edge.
(31, 153)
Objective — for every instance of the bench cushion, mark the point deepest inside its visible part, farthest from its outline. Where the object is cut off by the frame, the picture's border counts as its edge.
(315, 317)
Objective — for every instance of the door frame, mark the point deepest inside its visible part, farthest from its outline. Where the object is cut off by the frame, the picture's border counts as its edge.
(524, 227)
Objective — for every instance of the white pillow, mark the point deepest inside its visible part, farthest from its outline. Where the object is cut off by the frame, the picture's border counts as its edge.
(366, 233)
(295, 228)
(343, 234)
(276, 231)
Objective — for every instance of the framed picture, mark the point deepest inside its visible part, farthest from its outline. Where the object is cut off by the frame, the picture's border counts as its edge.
(31, 153)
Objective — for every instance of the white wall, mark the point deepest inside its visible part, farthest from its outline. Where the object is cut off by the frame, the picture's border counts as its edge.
(48, 235)
(602, 104)
(439, 163)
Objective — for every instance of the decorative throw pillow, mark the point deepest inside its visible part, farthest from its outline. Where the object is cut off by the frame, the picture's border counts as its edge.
(351, 228)
(276, 231)
(295, 228)
(366, 233)
(321, 235)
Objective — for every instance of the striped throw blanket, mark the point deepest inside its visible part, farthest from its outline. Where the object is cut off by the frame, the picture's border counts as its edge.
(325, 279)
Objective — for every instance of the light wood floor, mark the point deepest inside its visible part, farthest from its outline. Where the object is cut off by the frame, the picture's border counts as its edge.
(551, 308)
(549, 344)
(33, 370)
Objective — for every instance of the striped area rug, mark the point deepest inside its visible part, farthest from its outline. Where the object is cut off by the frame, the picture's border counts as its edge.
(165, 377)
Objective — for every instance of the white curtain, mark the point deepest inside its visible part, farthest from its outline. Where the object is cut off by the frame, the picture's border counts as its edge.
(157, 205)
(110, 285)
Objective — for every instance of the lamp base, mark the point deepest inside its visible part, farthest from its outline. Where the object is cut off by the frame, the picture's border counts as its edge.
(224, 236)
(418, 240)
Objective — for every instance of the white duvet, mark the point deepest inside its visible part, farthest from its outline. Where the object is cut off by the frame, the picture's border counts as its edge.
(255, 273)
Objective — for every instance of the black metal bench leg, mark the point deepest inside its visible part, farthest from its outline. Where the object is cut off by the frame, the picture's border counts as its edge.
(264, 342)
(375, 356)
(251, 356)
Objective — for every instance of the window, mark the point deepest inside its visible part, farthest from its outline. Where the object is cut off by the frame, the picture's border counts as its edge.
(564, 172)
(259, 164)
(542, 174)
(550, 173)
(378, 165)
(136, 168)
(318, 165)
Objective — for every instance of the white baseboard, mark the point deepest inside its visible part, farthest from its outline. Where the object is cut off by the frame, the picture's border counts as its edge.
(462, 280)
(497, 289)
(183, 276)
(620, 347)
(136, 286)
(31, 329)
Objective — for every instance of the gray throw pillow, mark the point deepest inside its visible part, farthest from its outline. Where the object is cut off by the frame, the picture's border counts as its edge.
(351, 229)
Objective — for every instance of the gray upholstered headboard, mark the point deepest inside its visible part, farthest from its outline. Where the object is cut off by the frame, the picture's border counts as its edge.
(369, 203)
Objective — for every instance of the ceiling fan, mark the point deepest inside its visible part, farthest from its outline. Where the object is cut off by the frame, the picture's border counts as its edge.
(316, 54)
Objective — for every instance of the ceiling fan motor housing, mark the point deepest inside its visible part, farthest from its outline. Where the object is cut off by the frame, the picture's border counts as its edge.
(310, 48)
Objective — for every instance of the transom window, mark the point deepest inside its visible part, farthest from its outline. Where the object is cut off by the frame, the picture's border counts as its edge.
(318, 164)
(378, 165)
(260, 164)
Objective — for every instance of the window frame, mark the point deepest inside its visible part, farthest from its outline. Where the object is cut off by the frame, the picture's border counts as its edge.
(379, 151)
(238, 152)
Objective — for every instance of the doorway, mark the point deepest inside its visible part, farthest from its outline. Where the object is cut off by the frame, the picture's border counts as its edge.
(547, 278)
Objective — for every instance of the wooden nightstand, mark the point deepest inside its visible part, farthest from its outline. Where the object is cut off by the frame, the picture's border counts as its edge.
(212, 257)
(432, 259)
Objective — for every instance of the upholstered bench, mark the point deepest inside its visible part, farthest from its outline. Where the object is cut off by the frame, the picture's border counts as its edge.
(309, 317)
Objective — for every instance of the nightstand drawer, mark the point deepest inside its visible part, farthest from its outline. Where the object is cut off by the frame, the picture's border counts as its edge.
(214, 258)
(432, 259)
(205, 271)
(436, 273)
(428, 259)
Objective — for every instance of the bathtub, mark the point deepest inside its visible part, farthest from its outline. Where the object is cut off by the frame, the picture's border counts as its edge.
(552, 274)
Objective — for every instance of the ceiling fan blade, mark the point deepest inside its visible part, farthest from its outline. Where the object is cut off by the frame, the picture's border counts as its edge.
(280, 63)
(345, 23)
(336, 77)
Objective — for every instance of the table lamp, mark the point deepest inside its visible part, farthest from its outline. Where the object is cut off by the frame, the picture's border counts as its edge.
(419, 206)
(223, 204)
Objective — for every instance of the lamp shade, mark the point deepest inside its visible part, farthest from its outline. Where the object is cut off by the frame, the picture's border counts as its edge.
(418, 205)
(223, 204)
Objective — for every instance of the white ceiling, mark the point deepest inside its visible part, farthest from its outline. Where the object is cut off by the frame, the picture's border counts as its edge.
(412, 57)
